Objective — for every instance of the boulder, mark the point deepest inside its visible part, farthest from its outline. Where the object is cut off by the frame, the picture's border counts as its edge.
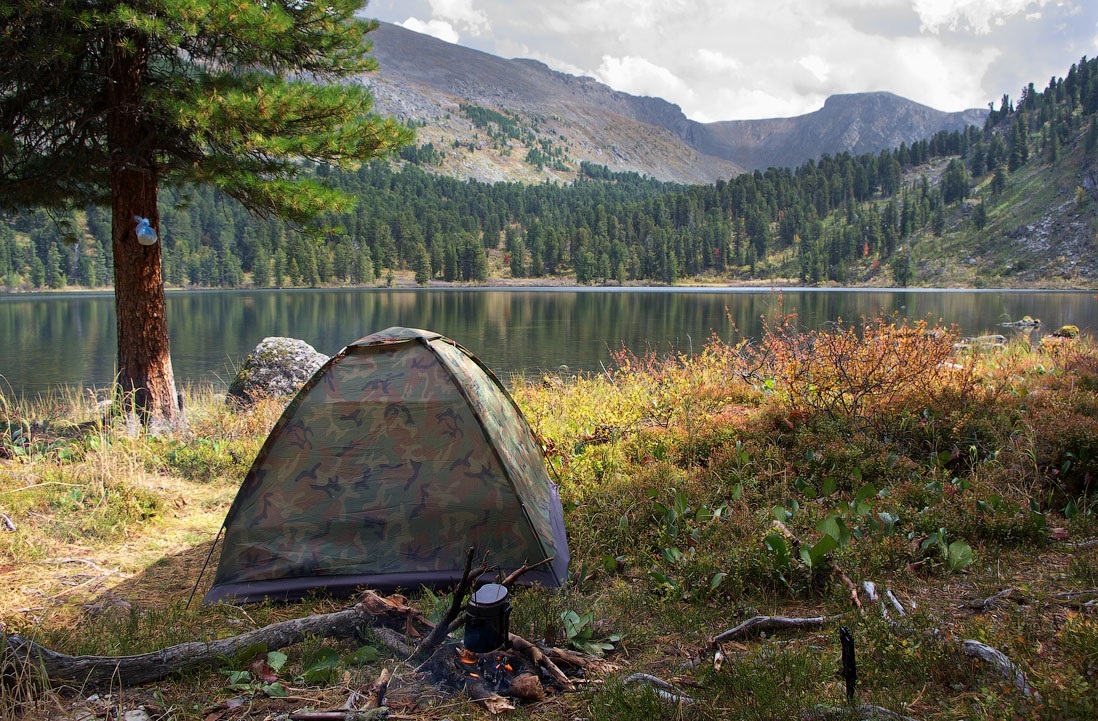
(277, 367)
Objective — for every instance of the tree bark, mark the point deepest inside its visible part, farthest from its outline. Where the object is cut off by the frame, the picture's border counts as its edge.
(98, 671)
(145, 373)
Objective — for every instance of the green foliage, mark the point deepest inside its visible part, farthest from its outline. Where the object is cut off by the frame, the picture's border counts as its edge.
(580, 631)
(818, 221)
(956, 555)
(218, 88)
(260, 677)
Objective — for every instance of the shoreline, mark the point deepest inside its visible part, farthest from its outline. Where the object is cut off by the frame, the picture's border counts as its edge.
(558, 284)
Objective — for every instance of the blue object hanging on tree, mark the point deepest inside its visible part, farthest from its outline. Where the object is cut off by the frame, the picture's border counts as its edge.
(145, 233)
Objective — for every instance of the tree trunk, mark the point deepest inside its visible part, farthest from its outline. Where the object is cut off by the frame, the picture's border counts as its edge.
(145, 372)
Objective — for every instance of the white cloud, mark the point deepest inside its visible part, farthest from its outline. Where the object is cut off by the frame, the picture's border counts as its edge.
(639, 76)
(817, 66)
(714, 61)
(976, 15)
(926, 70)
(721, 60)
(435, 28)
(460, 12)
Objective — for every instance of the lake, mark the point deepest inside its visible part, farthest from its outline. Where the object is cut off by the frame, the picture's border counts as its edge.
(52, 340)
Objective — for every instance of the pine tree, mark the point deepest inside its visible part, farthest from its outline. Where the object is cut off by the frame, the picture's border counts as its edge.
(105, 101)
(421, 263)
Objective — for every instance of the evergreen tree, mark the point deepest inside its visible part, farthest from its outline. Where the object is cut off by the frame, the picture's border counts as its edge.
(1019, 143)
(105, 100)
(902, 272)
(261, 267)
(979, 217)
(421, 264)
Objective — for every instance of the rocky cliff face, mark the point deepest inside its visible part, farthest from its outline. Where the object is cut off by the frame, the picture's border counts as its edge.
(858, 123)
(571, 119)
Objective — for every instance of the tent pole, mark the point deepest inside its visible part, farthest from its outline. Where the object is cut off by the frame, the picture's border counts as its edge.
(204, 565)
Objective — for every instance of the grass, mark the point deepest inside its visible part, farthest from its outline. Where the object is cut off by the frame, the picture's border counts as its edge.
(699, 492)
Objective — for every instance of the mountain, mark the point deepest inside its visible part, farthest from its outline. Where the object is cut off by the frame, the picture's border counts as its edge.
(859, 123)
(483, 115)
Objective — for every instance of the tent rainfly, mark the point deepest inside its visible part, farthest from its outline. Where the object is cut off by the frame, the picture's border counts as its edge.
(397, 456)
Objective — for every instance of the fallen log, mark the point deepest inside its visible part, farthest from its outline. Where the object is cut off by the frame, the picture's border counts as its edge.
(97, 671)
(758, 624)
(1007, 668)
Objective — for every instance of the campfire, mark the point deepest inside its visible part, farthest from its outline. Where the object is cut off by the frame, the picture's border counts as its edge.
(500, 673)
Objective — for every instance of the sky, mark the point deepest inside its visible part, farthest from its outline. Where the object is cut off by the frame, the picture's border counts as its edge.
(744, 59)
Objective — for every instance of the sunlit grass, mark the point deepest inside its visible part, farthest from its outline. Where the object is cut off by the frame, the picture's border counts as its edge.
(696, 490)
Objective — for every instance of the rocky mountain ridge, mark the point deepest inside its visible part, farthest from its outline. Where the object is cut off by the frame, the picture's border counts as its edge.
(569, 119)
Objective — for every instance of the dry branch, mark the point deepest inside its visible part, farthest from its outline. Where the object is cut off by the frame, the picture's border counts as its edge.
(759, 624)
(540, 660)
(97, 671)
(395, 613)
(662, 688)
(982, 604)
(1007, 668)
(439, 633)
(865, 711)
(376, 714)
(848, 583)
(524, 568)
(394, 641)
(589, 664)
(376, 697)
(895, 602)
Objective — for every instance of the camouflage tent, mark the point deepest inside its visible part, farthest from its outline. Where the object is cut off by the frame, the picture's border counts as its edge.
(396, 457)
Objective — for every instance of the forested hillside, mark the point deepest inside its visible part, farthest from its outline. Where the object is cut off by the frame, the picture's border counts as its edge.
(1012, 203)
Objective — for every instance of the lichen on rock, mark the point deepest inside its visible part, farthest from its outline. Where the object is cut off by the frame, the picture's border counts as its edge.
(276, 367)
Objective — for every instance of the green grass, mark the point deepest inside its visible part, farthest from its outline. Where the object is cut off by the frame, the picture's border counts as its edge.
(699, 492)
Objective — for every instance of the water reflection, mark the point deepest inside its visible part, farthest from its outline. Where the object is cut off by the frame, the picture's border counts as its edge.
(52, 340)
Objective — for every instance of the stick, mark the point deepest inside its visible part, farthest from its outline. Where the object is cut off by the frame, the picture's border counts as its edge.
(540, 660)
(394, 641)
(768, 623)
(895, 602)
(372, 715)
(1007, 668)
(8, 525)
(442, 630)
(580, 660)
(865, 711)
(848, 583)
(663, 689)
(378, 690)
(395, 613)
(980, 605)
(517, 573)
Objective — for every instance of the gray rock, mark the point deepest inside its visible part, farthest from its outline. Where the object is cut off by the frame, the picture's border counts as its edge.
(277, 367)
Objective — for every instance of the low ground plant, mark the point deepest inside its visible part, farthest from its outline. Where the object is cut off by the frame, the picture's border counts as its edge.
(768, 478)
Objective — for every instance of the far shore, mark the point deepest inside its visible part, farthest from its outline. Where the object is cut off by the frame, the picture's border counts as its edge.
(406, 281)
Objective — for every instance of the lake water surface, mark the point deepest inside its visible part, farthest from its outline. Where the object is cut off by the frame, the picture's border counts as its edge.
(52, 340)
